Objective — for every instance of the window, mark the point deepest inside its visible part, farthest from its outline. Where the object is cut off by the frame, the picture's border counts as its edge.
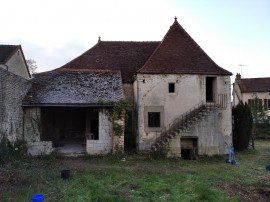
(171, 87)
(268, 104)
(154, 119)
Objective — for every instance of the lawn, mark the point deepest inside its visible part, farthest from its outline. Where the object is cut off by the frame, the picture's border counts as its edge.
(138, 178)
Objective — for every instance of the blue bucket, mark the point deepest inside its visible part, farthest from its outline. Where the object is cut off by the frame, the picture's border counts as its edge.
(268, 166)
(37, 198)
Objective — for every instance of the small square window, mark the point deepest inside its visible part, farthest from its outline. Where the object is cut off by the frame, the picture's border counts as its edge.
(153, 119)
(171, 87)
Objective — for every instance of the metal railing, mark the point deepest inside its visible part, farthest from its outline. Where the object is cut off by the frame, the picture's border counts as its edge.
(183, 121)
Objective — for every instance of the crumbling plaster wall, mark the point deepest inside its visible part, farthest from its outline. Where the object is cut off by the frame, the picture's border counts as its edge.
(189, 91)
(107, 141)
(32, 132)
(13, 88)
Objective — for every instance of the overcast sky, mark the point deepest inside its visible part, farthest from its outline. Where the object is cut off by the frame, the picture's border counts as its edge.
(53, 32)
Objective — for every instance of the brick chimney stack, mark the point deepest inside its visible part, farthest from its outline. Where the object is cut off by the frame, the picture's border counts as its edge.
(238, 77)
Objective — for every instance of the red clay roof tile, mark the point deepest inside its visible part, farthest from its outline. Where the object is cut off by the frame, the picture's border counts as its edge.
(254, 85)
(178, 53)
(127, 57)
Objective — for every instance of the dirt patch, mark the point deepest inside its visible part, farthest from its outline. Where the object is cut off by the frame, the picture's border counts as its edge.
(126, 189)
(244, 193)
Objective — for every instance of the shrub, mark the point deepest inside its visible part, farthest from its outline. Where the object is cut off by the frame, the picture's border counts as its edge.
(11, 151)
(160, 153)
(242, 129)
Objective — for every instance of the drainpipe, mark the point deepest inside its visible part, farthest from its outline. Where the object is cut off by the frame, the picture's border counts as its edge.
(138, 113)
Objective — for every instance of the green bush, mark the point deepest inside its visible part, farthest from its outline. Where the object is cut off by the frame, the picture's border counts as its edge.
(243, 123)
(262, 131)
(160, 153)
(11, 151)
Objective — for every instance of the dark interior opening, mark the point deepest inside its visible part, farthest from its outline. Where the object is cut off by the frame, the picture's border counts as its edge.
(209, 89)
(129, 137)
(69, 125)
(153, 119)
(189, 148)
(186, 154)
(171, 88)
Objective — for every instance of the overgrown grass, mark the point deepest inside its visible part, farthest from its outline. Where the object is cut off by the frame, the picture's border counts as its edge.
(136, 178)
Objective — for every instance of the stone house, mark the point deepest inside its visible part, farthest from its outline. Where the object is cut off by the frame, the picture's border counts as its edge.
(14, 84)
(246, 90)
(181, 97)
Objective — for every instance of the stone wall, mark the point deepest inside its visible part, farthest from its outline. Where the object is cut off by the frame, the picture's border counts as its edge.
(32, 132)
(128, 92)
(13, 88)
(104, 144)
(107, 142)
(189, 91)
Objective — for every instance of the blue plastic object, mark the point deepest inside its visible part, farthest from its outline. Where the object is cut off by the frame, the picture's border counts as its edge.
(231, 156)
(37, 198)
(267, 166)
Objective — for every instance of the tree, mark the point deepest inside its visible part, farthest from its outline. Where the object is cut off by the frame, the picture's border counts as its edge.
(243, 123)
(32, 66)
(257, 110)
(260, 119)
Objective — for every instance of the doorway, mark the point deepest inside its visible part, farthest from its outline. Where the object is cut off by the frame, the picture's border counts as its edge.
(210, 89)
(189, 148)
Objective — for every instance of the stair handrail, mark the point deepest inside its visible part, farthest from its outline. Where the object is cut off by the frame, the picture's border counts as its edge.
(176, 122)
(219, 103)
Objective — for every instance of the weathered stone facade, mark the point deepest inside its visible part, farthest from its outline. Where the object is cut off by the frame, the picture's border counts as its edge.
(104, 144)
(213, 132)
(107, 141)
(32, 132)
(13, 88)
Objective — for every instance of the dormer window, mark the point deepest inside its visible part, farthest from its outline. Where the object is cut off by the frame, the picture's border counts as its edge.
(171, 87)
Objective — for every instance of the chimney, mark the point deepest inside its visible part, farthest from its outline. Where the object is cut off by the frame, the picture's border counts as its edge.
(238, 77)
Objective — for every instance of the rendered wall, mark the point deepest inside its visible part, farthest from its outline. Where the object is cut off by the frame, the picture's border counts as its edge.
(13, 88)
(16, 65)
(189, 91)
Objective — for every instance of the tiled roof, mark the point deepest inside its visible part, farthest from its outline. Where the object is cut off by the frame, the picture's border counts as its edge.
(127, 57)
(254, 85)
(6, 51)
(179, 53)
(80, 87)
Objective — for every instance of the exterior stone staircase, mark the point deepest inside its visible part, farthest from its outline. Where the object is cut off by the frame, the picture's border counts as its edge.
(186, 120)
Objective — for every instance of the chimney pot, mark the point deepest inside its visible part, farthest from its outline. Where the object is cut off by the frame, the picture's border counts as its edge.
(238, 77)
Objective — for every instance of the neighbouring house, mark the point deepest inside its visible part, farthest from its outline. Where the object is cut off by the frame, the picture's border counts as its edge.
(14, 84)
(246, 90)
(181, 99)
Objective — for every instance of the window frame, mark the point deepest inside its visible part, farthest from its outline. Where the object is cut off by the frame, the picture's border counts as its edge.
(159, 109)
